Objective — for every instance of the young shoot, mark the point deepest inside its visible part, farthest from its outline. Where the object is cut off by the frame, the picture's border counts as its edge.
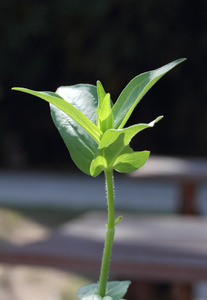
(92, 128)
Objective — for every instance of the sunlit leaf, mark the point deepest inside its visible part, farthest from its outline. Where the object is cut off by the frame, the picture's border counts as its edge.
(105, 116)
(69, 109)
(101, 95)
(134, 92)
(130, 162)
(80, 144)
(113, 144)
(73, 111)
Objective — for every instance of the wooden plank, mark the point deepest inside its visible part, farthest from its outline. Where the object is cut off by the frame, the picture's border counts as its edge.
(153, 248)
(172, 168)
(188, 173)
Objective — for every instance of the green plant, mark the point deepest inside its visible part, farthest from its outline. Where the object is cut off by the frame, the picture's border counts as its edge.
(93, 131)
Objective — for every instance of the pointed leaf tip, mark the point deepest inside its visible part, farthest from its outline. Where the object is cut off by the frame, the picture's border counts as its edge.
(73, 111)
(135, 91)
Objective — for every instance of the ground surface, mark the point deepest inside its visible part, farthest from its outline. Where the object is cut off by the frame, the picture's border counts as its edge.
(34, 283)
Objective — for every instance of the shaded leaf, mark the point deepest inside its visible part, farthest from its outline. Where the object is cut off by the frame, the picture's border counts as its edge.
(114, 289)
(87, 290)
(117, 288)
(93, 297)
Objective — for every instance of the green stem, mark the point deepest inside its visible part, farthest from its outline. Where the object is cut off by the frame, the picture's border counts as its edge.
(109, 233)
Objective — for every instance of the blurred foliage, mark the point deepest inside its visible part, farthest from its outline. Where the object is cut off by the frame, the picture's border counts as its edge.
(45, 44)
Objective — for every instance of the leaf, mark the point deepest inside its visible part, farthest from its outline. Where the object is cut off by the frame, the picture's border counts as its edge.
(93, 297)
(134, 92)
(114, 289)
(130, 162)
(105, 116)
(87, 290)
(117, 288)
(114, 143)
(101, 96)
(73, 111)
(69, 109)
(80, 144)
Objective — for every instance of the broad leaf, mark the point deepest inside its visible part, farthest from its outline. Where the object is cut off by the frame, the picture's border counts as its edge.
(117, 288)
(69, 109)
(130, 162)
(113, 144)
(134, 92)
(79, 143)
(73, 111)
(87, 290)
(114, 289)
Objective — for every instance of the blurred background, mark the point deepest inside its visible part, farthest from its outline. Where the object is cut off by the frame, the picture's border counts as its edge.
(45, 44)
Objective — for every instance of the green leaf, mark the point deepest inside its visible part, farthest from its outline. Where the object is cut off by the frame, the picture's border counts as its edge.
(134, 92)
(105, 116)
(69, 109)
(117, 288)
(73, 109)
(94, 297)
(114, 289)
(101, 95)
(130, 162)
(114, 143)
(87, 290)
(80, 144)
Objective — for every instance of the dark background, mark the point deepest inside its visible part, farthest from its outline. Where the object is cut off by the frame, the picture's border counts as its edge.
(45, 44)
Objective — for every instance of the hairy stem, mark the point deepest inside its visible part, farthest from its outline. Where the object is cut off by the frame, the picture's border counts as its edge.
(109, 233)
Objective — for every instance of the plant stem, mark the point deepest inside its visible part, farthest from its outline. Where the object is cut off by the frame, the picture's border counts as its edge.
(109, 233)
